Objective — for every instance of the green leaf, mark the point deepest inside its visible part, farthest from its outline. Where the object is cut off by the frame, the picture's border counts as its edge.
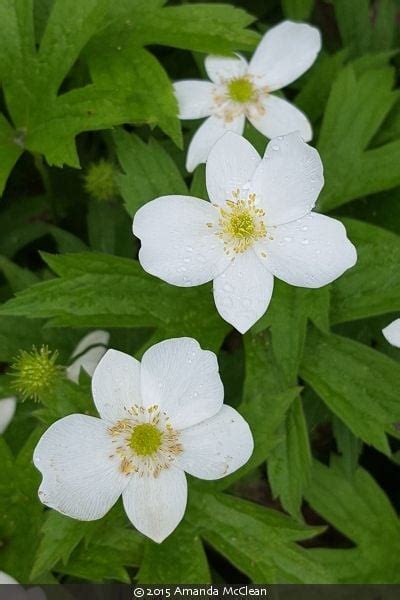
(360, 104)
(298, 10)
(140, 78)
(10, 150)
(21, 513)
(109, 229)
(149, 171)
(289, 465)
(362, 512)
(212, 28)
(260, 542)
(358, 384)
(61, 535)
(180, 557)
(290, 461)
(372, 287)
(129, 298)
(364, 29)
(349, 446)
(18, 277)
(265, 402)
(110, 545)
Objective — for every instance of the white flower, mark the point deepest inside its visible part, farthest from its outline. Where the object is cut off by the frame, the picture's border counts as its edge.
(239, 89)
(158, 419)
(392, 333)
(87, 354)
(259, 224)
(18, 592)
(7, 411)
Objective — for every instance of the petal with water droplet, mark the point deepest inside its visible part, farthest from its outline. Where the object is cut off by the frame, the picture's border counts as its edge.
(243, 292)
(310, 259)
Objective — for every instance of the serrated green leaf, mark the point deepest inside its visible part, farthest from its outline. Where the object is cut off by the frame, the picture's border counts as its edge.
(258, 541)
(360, 104)
(290, 460)
(289, 466)
(140, 78)
(180, 557)
(21, 513)
(149, 171)
(110, 545)
(372, 287)
(129, 298)
(212, 28)
(361, 511)
(61, 535)
(358, 384)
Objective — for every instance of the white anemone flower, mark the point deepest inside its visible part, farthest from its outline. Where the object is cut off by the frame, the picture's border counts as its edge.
(18, 592)
(240, 90)
(7, 411)
(392, 333)
(258, 224)
(87, 354)
(158, 419)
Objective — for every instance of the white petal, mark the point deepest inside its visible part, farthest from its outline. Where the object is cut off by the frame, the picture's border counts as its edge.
(116, 385)
(178, 245)
(206, 136)
(183, 380)
(242, 293)
(195, 99)
(231, 164)
(288, 180)
(281, 117)
(7, 410)
(310, 252)
(88, 359)
(7, 579)
(392, 333)
(216, 447)
(221, 68)
(81, 478)
(156, 505)
(285, 52)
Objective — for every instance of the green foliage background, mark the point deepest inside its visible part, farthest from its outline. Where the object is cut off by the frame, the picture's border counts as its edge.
(319, 385)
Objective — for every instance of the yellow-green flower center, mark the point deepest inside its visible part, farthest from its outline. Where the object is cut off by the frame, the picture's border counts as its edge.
(241, 90)
(241, 224)
(145, 439)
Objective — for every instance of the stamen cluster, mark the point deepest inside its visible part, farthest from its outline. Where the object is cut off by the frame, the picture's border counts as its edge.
(241, 223)
(237, 96)
(146, 443)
